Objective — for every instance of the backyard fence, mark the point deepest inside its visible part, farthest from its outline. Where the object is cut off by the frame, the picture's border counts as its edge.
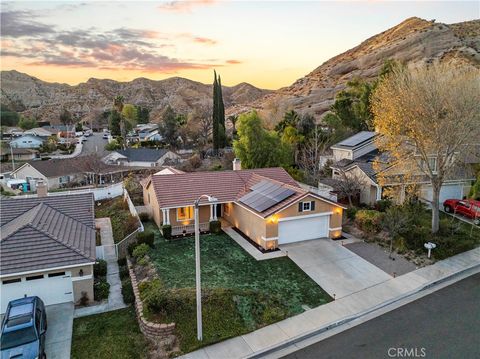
(99, 193)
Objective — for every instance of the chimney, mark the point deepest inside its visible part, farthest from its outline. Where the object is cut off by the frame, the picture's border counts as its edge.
(237, 164)
(42, 190)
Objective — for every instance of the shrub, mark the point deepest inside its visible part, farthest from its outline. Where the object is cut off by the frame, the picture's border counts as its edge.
(167, 231)
(122, 262)
(84, 299)
(127, 291)
(123, 272)
(383, 205)
(448, 246)
(351, 212)
(215, 227)
(144, 217)
(140, 251)
(101, 289)
(369, 221)
(146, 237)
(100, 268)
(131, 247)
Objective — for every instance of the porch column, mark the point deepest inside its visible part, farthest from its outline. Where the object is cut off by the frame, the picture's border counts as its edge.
(168, 216)
(164, 216)
(214, 212)
(211, 212)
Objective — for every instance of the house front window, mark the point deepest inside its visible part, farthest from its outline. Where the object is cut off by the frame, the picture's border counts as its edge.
(184, 213)
(64, 179)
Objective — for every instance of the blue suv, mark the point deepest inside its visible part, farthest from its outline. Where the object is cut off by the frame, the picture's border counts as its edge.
(23, 329)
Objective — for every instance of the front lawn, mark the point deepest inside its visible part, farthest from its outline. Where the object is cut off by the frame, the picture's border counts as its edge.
(108, 335)
(240, 294)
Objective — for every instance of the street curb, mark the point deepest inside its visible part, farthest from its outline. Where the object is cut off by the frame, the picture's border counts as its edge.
(349, 319)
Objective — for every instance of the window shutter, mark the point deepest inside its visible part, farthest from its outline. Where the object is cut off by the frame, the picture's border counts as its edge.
(300, 206)
(312, 205)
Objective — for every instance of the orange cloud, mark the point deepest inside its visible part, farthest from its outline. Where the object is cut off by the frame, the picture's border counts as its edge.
(204, 40)
(233, 62)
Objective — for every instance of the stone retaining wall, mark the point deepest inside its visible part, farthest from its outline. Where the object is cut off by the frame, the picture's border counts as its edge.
(152, 331)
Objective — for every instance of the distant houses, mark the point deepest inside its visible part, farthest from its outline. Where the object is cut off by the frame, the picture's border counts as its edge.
(142, 157)
(27, 141)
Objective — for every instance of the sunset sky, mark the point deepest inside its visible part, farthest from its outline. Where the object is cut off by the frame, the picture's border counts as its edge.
(269, 44)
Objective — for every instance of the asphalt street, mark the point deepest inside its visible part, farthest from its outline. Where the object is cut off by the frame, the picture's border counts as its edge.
(94, 144)
(444, 324)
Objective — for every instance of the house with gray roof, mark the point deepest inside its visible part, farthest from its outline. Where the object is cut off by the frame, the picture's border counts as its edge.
(47, 248)
(358, 157)
(142, 157)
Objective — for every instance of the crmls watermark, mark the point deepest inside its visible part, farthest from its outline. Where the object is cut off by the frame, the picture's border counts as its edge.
(407, 352)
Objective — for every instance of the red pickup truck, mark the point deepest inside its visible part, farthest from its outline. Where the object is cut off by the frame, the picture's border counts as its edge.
(466, 207)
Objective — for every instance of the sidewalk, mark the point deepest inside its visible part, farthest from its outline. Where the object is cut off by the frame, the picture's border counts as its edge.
(115, 297)
(341, 311)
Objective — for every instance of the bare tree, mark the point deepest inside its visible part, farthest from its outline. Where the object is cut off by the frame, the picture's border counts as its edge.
(309, 156)
(348, 185)
(428, 118)
(395, 221)
(202, 115)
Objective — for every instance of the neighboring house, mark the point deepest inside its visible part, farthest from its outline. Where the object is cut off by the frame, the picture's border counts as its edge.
(141, 157)
(27, 141)
(18, 154)
(265, 204)
(168, 171)
(55, 173)
(47, 248)
(41, 132)
(355, 157)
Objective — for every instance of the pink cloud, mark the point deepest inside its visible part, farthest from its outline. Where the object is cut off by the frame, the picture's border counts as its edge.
(184, 6)
(233, 62)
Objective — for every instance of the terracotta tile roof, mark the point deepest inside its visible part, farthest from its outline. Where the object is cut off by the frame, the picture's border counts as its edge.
(227, 186)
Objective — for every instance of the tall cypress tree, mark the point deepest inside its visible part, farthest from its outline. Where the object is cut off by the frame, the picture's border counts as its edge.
(215, 113)
(221, 115)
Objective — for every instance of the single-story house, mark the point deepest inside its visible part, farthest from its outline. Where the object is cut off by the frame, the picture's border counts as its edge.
(265, 204)
(27, 141)
(355, 157)
(59, 173)
(47, 248)
(18, 154)
(141, 157)
(41, 132)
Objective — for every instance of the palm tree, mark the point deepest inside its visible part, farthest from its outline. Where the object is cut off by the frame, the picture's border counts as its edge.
(118, 102)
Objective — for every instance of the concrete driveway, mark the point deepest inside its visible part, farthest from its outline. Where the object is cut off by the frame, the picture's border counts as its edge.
(59, 331)
(333, 267)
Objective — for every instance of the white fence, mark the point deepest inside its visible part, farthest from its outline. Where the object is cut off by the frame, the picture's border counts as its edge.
(99, 252)
(99, 193)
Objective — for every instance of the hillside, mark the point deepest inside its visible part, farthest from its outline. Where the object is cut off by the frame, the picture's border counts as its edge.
(413, 42)
(32, 96)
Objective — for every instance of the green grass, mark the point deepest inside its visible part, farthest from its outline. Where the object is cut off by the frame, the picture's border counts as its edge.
(241, 293)
(109, 335)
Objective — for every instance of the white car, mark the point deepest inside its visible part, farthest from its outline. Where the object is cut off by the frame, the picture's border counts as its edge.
(105, 136)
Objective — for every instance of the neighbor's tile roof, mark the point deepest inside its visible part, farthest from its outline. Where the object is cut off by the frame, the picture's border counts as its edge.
(227, 186)
(47, 232)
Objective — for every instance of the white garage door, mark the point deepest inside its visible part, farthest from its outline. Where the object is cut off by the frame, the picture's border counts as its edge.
(303, 229)
(53, 288)
(446, 192)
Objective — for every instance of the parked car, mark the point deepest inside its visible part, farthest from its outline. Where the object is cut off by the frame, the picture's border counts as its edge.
(466, 207)
(24, 328)
(78, 133)
(105, 135)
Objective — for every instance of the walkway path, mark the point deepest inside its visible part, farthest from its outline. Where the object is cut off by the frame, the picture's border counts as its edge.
(115, 298)
(249, 248)
(341, 311)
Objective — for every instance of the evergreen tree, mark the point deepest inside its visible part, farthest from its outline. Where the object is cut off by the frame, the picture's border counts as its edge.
(221, 115)
(215, 113)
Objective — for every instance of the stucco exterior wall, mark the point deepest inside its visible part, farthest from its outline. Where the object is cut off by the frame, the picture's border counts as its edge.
(249, 223)
(150, 201)
(203, 216)
(28, 171)
(292, 211)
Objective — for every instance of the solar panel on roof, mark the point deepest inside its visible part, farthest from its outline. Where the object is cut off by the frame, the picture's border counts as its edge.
(357, 139)
(265, 194)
